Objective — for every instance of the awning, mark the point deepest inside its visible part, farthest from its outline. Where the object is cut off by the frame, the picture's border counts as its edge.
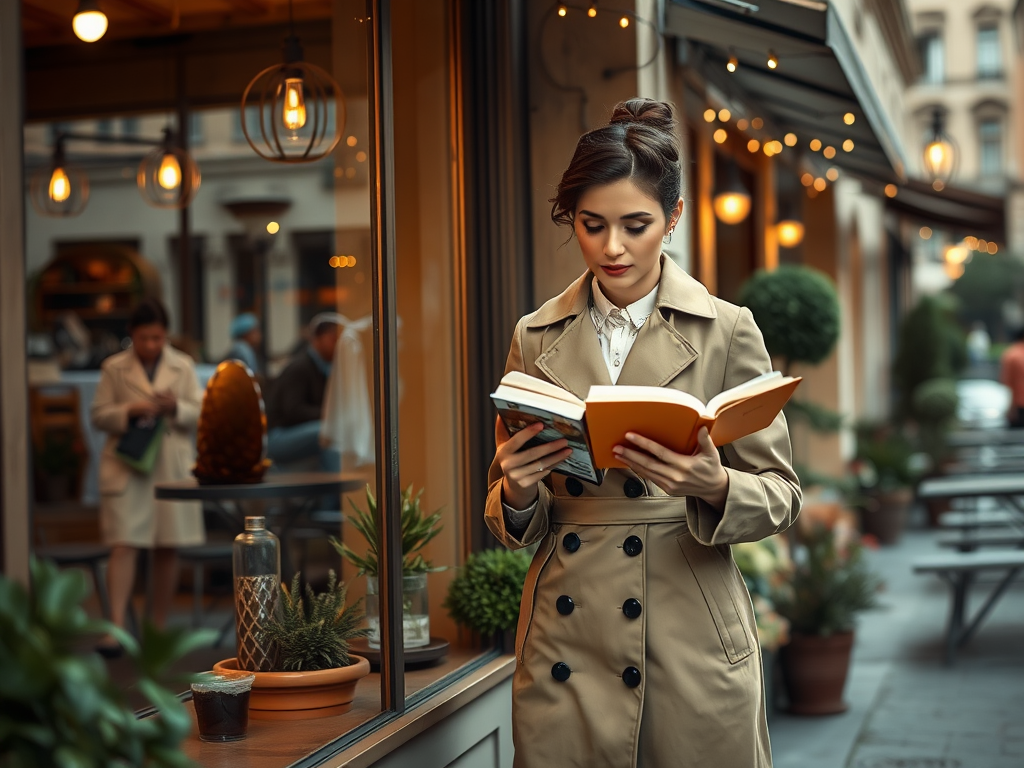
(819, 79)
(956, 210)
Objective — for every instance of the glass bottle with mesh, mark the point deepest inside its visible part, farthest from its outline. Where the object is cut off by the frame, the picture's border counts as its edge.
(257, 571)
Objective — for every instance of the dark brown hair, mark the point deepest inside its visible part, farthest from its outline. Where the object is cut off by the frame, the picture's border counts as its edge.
(639, 143)
(147, 312)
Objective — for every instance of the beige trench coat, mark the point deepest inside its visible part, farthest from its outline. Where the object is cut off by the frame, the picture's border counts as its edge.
(636, 643)
(129, 513)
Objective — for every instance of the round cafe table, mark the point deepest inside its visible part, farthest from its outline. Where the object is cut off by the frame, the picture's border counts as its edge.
(299, 493)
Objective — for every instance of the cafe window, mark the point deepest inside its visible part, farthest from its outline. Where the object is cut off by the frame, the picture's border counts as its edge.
(989, 60)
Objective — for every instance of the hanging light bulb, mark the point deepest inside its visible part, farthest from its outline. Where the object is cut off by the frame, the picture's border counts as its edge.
(732, 203)
(294, 112)
(59, 188)
(940, 155)
(60, 185)
(89, 22)
(734, 63)
(562, 10)
(624, 22)
(307, 106)
(168, 177)
(592, 10)
(773, 60)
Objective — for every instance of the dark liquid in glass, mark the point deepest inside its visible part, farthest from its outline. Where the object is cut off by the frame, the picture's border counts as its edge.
(221, 716)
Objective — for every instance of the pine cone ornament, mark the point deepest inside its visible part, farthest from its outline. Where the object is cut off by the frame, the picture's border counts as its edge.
(232, 435)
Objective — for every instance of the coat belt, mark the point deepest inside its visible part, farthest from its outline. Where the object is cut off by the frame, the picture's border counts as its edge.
(645, 509)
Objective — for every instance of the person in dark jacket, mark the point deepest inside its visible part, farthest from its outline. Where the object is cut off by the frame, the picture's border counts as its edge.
(295, 403)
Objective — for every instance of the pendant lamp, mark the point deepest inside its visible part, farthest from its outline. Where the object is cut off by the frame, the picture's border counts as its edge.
(732, 202)
(168, 177)
(940, 154)
(289, 107)
(59, 189)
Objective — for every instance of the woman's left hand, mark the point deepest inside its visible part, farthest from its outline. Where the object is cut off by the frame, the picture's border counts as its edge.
(701, 474)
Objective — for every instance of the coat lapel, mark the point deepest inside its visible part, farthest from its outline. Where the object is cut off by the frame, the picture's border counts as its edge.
(575, 362)
(661, 352)
(167, 372)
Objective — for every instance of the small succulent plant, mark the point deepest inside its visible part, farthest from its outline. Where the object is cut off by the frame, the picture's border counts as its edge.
(314, 631)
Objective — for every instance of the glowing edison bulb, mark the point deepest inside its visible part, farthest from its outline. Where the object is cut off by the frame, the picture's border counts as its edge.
(790, 233)
(294, 104)
(562, 10)
(731, 207)
(60, 185)
(169, 175)
(89, 22)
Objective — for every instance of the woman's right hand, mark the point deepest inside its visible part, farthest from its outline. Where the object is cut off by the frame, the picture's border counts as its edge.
(523, 468)
(143, 408)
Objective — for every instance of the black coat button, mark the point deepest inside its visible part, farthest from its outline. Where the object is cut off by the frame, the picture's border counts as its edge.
(632, 546)
(630, 676)
(632, 608)
(573, 486)
(571, 541)
(633, 488)
(565, 605)
(561, 671)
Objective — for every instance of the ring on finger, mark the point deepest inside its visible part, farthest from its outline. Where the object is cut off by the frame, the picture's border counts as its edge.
(540, 467)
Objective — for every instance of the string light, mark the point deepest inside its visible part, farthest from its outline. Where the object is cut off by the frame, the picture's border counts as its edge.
(773, 60)
(993, 249)
(891, 190)
(724, 115)
(562, 10)
(720, 136)
(592, 10)
(925, 233)
(849, 118)
(938, 185)
(757, 123)
(624, 22)
(273, 227)
(820, 184)
(753, 145)
(790, 139)
(769, 148)
(790, 233)
(709, 115)
(742, 124)
(807, 179)
(815, 145)
(733, 63)
(972, 242)
(848, 145)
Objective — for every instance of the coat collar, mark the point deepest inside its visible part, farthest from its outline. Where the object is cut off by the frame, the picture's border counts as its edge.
(660, 353)
(167, 371)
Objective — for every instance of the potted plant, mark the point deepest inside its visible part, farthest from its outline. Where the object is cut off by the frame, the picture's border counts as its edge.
(885, 467)
(765, 565)
(830, 584)
(314, 675)
(486, 592)
(58, 705)
(58, 462)
(417, 529)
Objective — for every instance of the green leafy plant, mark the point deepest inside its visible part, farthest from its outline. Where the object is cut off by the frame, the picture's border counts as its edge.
(417, 529)
(315, 632)
(485, 594)
(830, 585)
(765, 565)
(59, 706)
(931, 346)
(885, 458)
(60, 454)
(797, 310)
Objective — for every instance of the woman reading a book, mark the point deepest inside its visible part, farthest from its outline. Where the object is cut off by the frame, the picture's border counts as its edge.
(147, 393)
(636, 643)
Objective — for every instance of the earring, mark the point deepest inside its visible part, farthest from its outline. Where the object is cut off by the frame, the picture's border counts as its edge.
(667, 239)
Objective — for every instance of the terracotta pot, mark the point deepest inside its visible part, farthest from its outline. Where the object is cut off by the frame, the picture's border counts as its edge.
(302, 695)
(814, 671)
(887, 517)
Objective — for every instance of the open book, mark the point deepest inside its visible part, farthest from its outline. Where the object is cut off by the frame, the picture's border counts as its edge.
(667, 416)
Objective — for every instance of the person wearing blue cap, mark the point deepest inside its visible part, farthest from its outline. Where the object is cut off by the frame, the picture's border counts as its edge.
(246, 336)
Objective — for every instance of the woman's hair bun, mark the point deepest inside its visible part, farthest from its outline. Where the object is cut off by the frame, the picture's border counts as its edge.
(654, 114)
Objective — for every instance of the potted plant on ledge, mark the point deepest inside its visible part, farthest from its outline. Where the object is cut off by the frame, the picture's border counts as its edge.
(417, 530)
(485, 594)
(315, 675)
(830, 585)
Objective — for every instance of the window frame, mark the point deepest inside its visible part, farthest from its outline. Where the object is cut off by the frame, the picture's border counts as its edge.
(926, 41)
(984, 171)
(988, 48)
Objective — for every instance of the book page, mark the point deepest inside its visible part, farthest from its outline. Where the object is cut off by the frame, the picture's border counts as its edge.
(757, 384)
(627, 393)
(525, 381)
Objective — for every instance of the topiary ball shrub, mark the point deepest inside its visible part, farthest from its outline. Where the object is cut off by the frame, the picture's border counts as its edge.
(935, 400)
(797, 310)
(484, 595)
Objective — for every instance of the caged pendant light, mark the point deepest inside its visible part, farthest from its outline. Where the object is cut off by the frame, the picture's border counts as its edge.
(286, 109)
(168, 177)
(59, 189)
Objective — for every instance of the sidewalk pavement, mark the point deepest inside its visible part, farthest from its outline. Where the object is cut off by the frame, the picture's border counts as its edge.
(906, 708)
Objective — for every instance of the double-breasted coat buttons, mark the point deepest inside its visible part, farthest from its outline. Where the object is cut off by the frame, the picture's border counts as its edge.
(632, 546)
(633, 488)
(573, 486)
(632, 608)
(561, 671)
(571, 541)
(631, 677)
(565, 605)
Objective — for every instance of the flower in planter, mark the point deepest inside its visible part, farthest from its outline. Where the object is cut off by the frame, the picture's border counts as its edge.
(315, 632)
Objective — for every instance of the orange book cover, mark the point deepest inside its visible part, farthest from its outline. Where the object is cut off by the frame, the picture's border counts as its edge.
(673, 418)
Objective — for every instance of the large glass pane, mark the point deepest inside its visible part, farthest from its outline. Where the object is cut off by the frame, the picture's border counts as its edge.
(989, 64)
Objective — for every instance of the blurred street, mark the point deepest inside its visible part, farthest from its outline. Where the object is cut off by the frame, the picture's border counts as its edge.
(906, 708)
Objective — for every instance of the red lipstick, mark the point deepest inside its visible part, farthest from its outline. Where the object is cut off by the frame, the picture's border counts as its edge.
(615, 270)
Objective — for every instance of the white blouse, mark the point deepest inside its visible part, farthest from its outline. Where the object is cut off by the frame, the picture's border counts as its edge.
(617, 329)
